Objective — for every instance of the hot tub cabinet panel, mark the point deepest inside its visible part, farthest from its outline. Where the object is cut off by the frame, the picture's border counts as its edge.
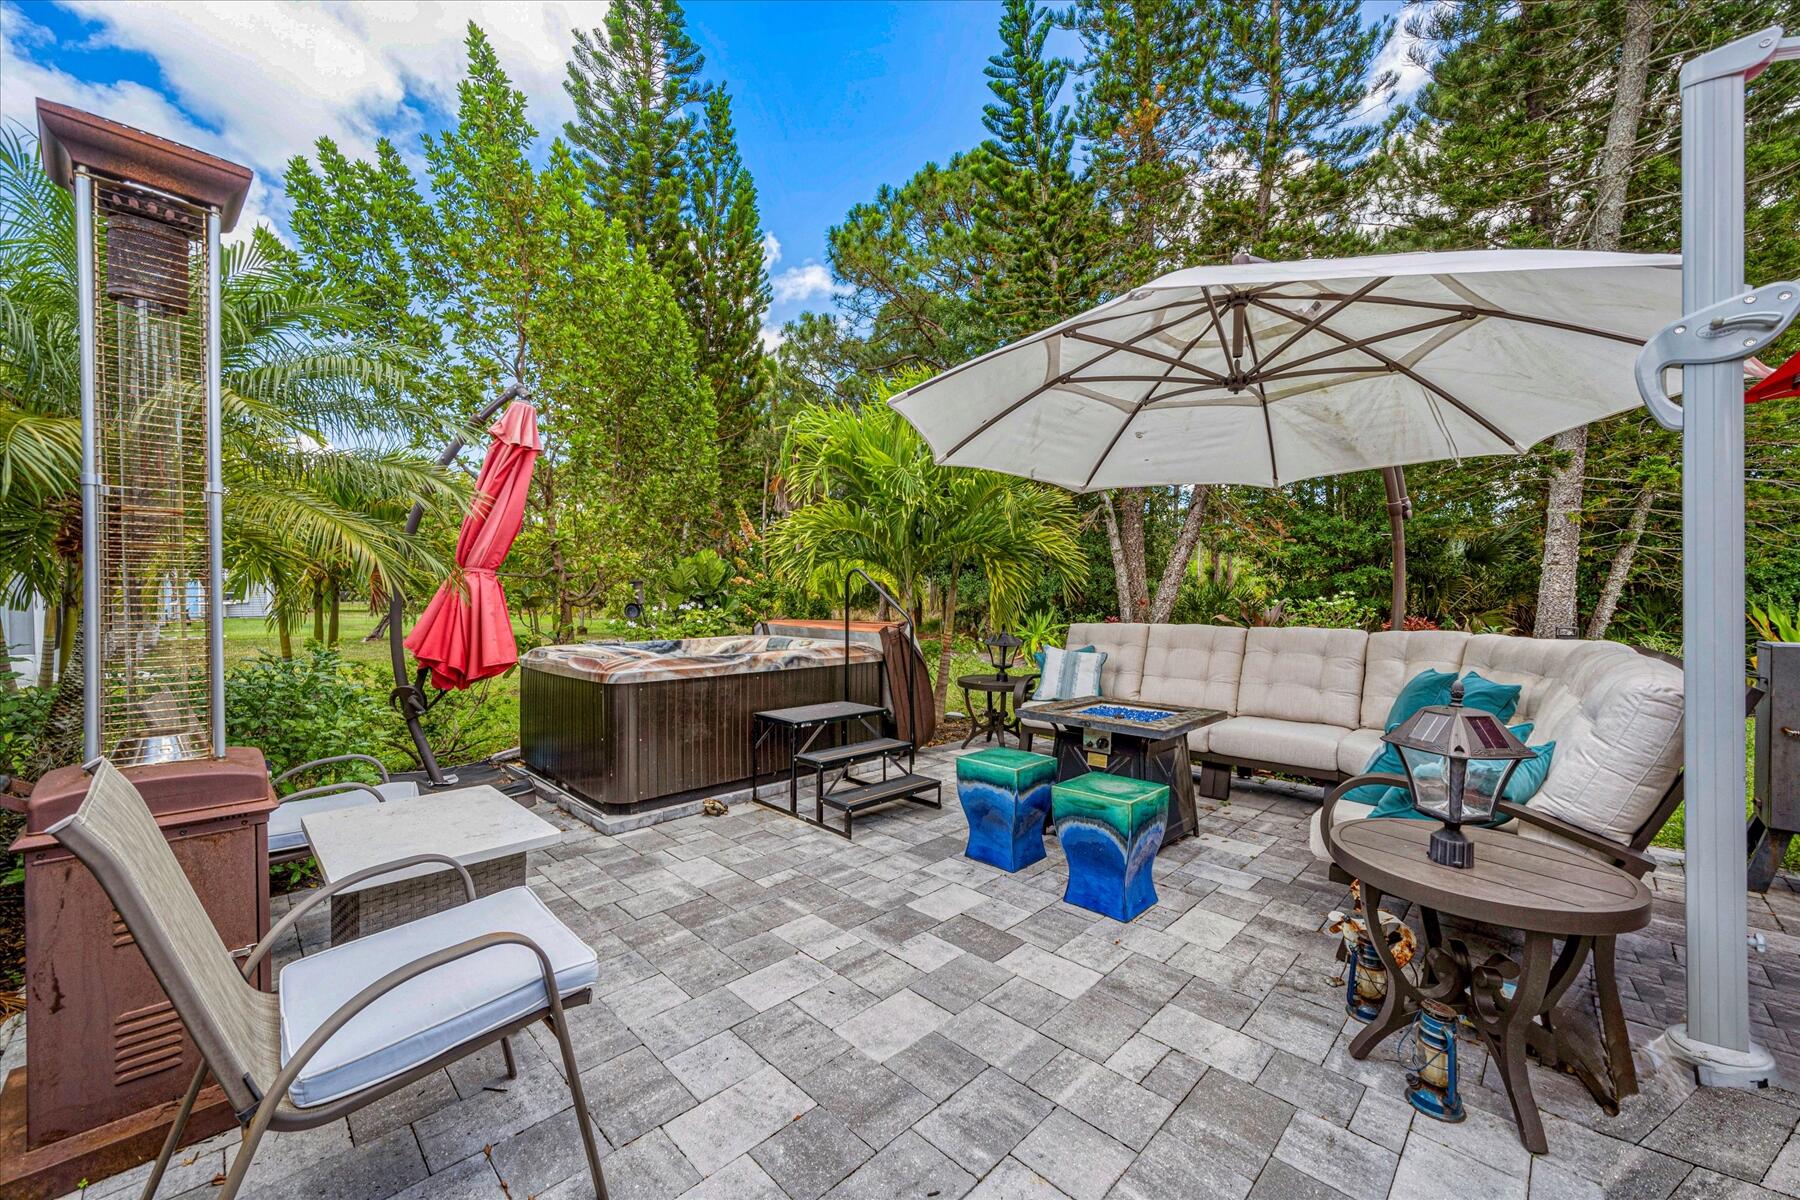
(630, 744)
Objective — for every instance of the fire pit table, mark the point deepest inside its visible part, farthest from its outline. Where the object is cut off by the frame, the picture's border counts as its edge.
(1138, 741)
(482, 828)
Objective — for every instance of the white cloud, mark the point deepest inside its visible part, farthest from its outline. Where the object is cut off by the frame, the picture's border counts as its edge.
(263, 81)
(771, 248)
(1401, 55)
(771, 338)
(799, 284)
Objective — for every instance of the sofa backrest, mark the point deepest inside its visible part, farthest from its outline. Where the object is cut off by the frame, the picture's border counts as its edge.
(1303, 674)
(1195, 666)
(1395, 657)
(1123, 674)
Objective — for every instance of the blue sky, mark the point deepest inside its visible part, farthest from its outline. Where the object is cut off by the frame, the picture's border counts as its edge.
(831, 99)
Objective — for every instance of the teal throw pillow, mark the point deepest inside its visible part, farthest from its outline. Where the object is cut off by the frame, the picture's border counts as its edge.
(1526, 779)
(1423, 690)
(1037, 656)
(1501, 699)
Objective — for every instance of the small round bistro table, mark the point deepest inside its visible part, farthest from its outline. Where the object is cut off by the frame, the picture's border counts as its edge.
(1548, 893)
(993, 722)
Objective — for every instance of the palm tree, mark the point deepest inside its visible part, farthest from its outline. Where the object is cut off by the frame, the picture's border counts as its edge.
(294, 372)
(870, 496)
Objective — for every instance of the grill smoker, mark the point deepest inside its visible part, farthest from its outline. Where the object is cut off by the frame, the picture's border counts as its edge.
(106, 1055)
(1777, 766)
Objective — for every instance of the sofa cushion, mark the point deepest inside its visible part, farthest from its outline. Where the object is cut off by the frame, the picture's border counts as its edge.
(1395, 658)
(1357, 750)
(1306, 675)
(1123, 676)
(434, 1012)
(1551, 672)
(1304, 745)
(1193, 666)
(1618, 747)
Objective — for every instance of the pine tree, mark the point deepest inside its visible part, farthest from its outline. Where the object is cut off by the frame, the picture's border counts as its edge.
(1290, 106)
(729, 289)
(633, 84)
(1037, 218)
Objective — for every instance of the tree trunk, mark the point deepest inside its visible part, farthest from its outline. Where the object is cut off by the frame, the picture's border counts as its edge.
(945, 642)
(52, 640)
(380, 630)
(1131, 537)
(71, 629)
(335, 601)
(1169, 588)
(1121, 568)
(284, 630)
(1620, 571)
(318, 613)
(1557, 578)
(1271, 154)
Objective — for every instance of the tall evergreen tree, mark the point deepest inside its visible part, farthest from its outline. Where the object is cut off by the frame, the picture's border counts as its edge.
(729, 289)
(1038, 214)
(633, 84)
(1290, 107)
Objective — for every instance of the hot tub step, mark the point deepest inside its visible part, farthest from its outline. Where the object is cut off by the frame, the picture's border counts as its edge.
(853, 752)
(853, 800)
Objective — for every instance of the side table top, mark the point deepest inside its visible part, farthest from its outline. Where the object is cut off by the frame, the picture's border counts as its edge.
(994, 683)
(1516, 881)
(470, 825)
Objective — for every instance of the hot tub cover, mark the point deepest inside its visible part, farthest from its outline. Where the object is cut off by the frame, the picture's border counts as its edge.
(642, 662)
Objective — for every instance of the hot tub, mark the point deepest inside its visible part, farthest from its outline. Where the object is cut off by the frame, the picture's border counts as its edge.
(636, 726)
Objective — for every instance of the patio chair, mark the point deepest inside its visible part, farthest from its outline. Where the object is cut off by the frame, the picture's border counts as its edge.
(351, 1024)
(287, 838)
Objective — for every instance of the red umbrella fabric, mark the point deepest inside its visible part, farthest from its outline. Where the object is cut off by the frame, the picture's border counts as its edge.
(1782, 382)
(465, 633)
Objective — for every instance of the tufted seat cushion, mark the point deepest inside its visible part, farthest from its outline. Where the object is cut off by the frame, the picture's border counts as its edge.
(1304, 745)
(1357, 748)
(1123, 675)
(285, 832)
(1301, 674)
(426, 1016)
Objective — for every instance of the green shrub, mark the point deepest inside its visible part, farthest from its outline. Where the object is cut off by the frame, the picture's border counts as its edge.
(310, 706)
(22, 712)
(1346, 610)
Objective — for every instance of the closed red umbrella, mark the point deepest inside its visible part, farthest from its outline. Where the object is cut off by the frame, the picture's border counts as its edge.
(465, 633)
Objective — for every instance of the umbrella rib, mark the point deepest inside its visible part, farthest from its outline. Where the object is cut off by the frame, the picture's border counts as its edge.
(1286, 369)
(1068, 376)
(1256, 362)
(1138, 408)
(1395, 365)
(1171, 361)
(1480, 310)
(1314, 322)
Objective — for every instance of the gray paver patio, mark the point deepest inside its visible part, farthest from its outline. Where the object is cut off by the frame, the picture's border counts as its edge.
(782, 1013)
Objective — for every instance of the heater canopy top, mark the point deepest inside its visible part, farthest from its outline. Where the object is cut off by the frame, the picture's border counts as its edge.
(69, 137)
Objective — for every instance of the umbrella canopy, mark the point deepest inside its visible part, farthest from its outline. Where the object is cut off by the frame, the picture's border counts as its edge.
(1780, 384)
(465, 633)
(1268, 372)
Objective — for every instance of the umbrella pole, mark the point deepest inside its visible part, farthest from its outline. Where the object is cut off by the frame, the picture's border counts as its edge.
(408, 693)
(1399, 507)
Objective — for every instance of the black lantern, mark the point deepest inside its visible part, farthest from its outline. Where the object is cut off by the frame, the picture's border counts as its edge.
(1457, 761)
(1002, 648)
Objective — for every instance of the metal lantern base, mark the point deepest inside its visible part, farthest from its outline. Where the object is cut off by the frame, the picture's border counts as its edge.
(1449, 848)
(1365, 987)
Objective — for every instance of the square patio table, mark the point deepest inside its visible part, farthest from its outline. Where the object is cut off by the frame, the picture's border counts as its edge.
(482, 828)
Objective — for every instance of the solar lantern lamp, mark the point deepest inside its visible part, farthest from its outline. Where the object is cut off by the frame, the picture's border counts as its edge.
(1002, 649)
(1458, 761)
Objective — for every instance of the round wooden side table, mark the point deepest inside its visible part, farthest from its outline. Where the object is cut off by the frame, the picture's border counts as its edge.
(1548, 893)
(994, 723)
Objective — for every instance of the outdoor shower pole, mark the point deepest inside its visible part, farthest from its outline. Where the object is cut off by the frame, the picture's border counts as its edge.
(1715, 1040)
(215, 493)
(91, 650)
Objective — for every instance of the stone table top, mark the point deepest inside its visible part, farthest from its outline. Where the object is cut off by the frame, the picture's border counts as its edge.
(471, 825)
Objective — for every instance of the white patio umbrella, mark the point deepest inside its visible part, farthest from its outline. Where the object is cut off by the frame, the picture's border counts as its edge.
(1269, 372)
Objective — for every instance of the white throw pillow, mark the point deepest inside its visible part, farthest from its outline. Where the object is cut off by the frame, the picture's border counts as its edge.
(1070, 673)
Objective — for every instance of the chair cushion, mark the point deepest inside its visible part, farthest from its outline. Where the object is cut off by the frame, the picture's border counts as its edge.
(1123, 676)
(285, 832)
(1302, 674)
(1396, 658)
(435, 1012)
(1358, 749)
(1069, 674)
(1305, 745)
(1193, 666)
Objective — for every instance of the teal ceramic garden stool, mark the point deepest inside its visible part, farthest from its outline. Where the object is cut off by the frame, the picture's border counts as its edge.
(1110, 828)
(1006, 796)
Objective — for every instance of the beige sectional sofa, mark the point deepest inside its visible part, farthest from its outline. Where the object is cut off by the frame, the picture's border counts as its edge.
(1312, 702)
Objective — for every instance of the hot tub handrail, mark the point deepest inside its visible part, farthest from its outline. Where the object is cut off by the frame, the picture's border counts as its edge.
(912, 635)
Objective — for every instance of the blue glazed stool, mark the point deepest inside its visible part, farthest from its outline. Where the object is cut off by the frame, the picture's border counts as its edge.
(1006, 796)
(1110, 828)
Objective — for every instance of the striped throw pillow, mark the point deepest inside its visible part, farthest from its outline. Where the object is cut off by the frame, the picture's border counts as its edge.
(1069, 674)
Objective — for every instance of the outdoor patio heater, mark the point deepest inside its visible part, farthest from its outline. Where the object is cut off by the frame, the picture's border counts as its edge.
(1725, 323)
(107, 1056)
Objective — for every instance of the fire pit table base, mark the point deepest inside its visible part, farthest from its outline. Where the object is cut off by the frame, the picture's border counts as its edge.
(373, 909)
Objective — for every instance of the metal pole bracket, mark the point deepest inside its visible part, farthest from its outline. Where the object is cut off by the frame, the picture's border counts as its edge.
(1724, 332)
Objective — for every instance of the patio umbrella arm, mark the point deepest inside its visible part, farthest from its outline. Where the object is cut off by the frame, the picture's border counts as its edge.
(409, 695)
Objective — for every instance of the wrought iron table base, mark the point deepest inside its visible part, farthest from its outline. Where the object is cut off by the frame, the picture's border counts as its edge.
(1510, 1027)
